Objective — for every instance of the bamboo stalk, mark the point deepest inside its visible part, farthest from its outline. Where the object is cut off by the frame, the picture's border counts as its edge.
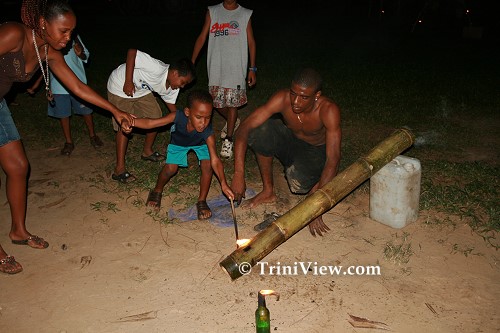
(316, 204)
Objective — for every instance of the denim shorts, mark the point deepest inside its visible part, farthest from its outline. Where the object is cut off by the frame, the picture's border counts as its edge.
(303, 162)
(63, 105)
(8, 130)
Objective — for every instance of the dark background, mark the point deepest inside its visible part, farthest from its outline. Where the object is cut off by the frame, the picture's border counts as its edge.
(442, 15)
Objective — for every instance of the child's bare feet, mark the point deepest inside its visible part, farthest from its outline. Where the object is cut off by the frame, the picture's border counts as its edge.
(154, 200)
(204, 211)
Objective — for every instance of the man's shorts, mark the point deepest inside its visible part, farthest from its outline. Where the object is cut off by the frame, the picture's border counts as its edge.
(142, 107)
(227, 97)
(8, 130)
(63, 105)
(178, 154)
(303, 162)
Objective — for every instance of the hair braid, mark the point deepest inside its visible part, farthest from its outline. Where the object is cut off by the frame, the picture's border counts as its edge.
(33, 10)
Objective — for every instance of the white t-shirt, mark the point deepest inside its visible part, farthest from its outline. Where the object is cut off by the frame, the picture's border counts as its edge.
(150, 75)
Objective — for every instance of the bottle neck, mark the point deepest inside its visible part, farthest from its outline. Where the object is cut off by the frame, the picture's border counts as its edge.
(261, 300)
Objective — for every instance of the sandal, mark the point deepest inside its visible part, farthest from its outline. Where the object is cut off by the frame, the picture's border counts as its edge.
(32, 241)
(67, 149)
(154, 200)
(96, 141)
(10, 262)
(154, 157)
(125, 177)
(203, 210)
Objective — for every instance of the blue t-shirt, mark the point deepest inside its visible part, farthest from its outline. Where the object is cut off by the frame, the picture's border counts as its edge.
(180, 136)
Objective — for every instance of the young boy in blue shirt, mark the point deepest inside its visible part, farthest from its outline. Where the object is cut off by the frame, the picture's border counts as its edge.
(191, 130)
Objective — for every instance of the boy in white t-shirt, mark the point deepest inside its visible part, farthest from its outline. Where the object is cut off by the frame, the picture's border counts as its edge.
(131, 87)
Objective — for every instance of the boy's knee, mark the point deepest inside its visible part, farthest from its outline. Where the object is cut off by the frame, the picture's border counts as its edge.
(169, 170)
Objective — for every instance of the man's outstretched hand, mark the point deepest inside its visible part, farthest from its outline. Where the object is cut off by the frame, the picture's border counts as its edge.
(317, 226)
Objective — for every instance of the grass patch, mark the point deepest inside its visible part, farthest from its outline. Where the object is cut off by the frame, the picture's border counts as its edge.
(398, 250)
(104, 206)
(468, 190)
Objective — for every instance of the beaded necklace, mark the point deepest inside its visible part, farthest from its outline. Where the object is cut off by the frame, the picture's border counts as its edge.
(45, 72)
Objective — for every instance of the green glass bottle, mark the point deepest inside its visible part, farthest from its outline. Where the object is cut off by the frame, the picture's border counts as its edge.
(262, 315)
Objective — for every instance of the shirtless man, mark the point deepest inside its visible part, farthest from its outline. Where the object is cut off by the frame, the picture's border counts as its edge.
(306, 140)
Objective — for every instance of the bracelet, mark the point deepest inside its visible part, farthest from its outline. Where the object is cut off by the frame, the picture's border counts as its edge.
(252, 69)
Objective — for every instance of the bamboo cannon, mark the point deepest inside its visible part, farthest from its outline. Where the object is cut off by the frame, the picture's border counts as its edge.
(245, 257)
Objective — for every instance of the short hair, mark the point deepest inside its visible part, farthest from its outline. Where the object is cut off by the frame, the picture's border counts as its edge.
(33, 10)
(198, 95)
(308, 77)
(184, 67)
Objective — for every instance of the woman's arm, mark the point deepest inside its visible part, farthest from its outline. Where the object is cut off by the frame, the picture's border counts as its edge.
(59, 67)
(11, 37)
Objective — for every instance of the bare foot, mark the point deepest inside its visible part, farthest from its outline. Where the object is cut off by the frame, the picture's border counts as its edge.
(260, 198)
(154, 200)
(204, 211)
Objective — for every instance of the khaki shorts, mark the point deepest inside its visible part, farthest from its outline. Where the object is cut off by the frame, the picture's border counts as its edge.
(142, 107)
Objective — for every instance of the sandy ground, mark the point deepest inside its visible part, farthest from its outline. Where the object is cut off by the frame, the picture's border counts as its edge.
(116, 269)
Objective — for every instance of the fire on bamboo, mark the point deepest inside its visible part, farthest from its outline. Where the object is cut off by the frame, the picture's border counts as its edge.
(278, 232)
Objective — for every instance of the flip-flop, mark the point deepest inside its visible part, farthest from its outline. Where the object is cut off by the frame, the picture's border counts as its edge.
(42, 244)
(9, 260)
(125, 177)
(154, 157)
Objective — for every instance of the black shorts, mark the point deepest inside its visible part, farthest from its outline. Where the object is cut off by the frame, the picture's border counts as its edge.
(303, 162)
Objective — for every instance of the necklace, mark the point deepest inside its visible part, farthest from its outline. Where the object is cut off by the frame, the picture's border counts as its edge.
(298, 117)
(45, 73)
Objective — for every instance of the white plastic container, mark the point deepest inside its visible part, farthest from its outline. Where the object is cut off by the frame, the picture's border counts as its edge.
(395, 192)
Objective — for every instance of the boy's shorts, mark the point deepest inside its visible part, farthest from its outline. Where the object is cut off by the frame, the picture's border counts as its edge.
(63, 105)
(227, 97)
(303, 162)
(178, 154)
(142, 107)
(8, 130)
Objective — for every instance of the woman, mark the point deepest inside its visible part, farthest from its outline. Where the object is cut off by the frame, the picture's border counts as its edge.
(46, 29)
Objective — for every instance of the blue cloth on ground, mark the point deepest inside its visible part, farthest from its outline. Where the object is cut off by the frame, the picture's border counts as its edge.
(220, 207)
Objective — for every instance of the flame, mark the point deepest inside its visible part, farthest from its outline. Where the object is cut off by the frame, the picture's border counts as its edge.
(266, 292)
(242, 242)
